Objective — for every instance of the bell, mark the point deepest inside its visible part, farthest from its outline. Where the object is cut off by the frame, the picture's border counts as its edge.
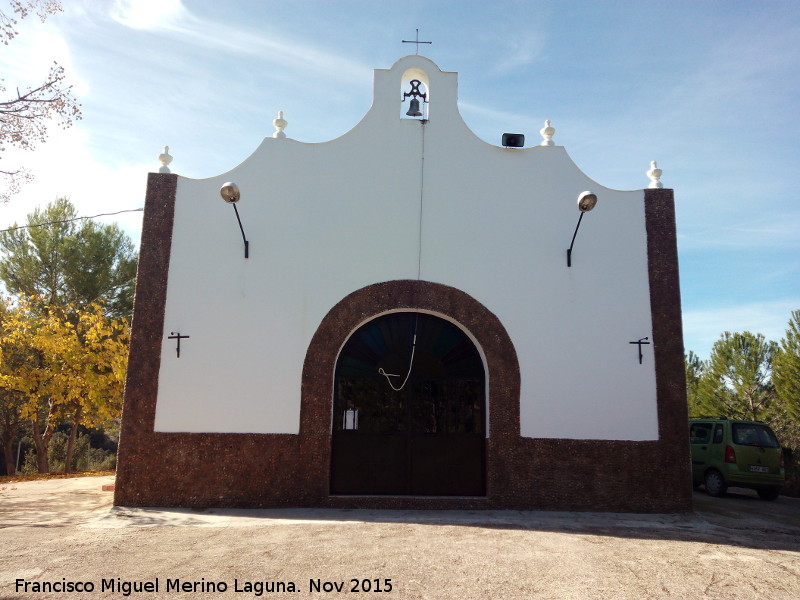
(413, 109)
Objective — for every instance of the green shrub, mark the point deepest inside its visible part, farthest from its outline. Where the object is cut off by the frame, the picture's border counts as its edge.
(84, 457)
(29, 466)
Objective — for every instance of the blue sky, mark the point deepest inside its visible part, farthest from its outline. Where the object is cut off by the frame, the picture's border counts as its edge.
(708, 89)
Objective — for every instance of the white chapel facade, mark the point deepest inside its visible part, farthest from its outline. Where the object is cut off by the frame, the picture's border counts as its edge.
(394, 321)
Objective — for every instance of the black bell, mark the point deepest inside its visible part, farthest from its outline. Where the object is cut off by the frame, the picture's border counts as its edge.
(413, 109)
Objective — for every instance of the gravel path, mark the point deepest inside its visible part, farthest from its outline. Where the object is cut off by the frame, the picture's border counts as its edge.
(65, 532)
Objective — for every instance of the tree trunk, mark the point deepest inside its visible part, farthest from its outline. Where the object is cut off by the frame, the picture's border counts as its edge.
(71, 442)
(8, 449)
(42, 464)
(42, 438)
(9, 435)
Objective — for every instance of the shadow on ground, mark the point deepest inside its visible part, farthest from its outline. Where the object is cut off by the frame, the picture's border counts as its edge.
(739, 519)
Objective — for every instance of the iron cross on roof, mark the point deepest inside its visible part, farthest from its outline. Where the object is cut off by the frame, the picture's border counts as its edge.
(416, 41)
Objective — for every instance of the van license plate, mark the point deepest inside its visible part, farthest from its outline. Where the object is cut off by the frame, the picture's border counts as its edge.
(757, 469)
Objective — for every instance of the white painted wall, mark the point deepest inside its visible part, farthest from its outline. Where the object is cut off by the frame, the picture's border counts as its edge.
(326, 219)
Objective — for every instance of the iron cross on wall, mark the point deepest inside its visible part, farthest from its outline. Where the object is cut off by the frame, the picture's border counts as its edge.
(639, 343)
(177, 336)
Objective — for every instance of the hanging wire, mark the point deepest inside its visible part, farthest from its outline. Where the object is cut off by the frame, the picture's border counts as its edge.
(410, 364)
(381, 371)
(421, 196)
(119, 212)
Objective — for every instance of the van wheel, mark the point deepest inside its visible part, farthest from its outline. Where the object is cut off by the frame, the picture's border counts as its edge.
(768, 493)
(715, 484)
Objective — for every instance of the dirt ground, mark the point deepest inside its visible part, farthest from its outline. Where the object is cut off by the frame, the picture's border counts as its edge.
(66, 535)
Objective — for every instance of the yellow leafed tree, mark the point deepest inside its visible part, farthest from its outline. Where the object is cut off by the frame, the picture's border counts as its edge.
(68, 364)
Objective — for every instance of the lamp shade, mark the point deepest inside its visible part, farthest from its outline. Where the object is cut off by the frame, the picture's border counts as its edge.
(230, 192)
(586, 201)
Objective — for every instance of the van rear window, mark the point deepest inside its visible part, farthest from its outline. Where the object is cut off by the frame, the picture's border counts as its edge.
(699, 433)
(752, 434)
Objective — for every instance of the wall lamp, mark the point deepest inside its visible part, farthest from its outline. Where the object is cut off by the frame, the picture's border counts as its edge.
(230, 193)
(586, 202)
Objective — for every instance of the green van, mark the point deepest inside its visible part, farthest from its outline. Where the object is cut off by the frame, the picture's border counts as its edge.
(733, 453)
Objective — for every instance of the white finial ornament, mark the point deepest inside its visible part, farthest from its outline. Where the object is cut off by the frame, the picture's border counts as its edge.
(280, 124)
(655, 176)
(164, 158)
(547, 134)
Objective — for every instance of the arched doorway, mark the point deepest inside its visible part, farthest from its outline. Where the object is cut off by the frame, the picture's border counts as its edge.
(408, 424)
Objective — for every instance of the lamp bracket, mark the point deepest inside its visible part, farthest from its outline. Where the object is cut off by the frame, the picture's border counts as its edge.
(244, 239)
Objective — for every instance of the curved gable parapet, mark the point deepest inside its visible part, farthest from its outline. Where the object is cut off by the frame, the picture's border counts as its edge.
(384, 129)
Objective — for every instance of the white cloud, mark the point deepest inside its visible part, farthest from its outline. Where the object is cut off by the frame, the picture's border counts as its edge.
(519, 52)
(149, 14)
(173, 18)
(746, 82)
(63, 164)
(777, 230)
(64, 167)
(703, 327)
(483, 115)
(29, 57)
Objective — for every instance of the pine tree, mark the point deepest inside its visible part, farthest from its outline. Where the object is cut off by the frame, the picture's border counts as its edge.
(736, 381)
(58, 261)
(786, 367)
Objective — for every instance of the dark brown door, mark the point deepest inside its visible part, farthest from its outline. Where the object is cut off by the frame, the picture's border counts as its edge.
(420, 419)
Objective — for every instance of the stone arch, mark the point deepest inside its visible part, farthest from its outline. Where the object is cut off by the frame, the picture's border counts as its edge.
(360, 306)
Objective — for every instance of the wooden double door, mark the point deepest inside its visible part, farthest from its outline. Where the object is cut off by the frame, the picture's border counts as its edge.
(409, 412)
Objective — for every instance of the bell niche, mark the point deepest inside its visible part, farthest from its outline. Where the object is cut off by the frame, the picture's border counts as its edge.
(415, 94)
